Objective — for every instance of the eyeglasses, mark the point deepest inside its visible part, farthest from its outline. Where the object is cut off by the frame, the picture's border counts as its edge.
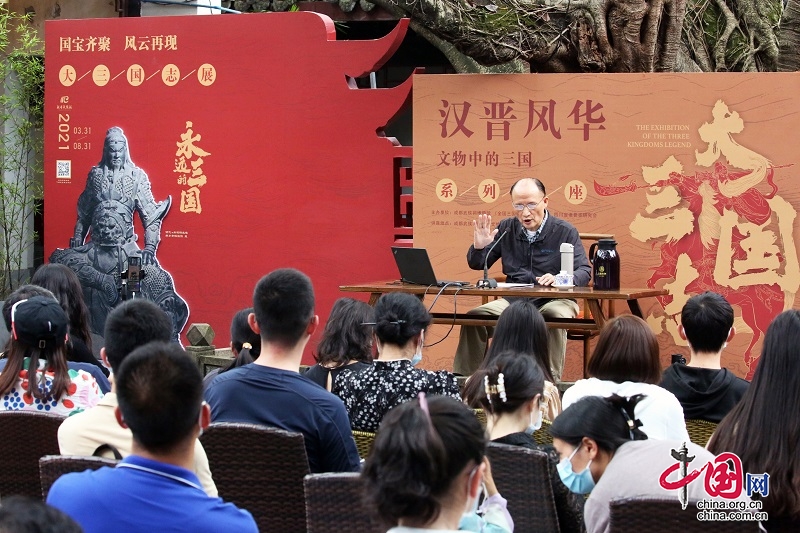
(531, 207)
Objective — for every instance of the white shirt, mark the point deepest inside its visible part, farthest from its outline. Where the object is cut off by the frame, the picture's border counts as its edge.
(660, 412)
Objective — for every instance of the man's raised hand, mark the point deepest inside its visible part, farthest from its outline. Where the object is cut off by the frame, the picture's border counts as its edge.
(484, 234)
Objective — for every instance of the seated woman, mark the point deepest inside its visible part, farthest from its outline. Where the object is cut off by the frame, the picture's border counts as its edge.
(426, 468)
(763, 428)
(603, 452)
(400, 323)
(625, 362)
(512, 395)
(245, 345)
(346, 342)
(23, 292)
(36, 376)
(65, 286)
(521, 328)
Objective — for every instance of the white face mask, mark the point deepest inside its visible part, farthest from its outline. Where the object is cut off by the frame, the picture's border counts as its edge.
(534, 425)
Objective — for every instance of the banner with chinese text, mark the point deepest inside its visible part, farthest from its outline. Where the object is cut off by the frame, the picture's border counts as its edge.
(694, 174)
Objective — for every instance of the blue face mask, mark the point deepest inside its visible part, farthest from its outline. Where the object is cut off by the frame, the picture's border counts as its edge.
(418, 355)
(581, 483)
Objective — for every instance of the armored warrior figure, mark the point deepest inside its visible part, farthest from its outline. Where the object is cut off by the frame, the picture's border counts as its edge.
(115, 189)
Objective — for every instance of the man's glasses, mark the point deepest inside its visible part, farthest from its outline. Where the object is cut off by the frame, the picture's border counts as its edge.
(531, 207)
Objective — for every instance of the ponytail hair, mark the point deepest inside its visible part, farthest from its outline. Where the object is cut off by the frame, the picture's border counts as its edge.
(610, 422)
(245, 341)
(399, 317)
(421, 447)
(509, 381)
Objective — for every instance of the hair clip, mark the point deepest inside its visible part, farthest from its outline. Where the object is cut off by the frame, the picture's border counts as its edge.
(247, 345)
(423, 404)
(398, 322)
(501, 387)
(369, 323)
(632, 424)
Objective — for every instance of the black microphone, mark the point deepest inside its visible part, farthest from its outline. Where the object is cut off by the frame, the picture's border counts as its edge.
(487, 283)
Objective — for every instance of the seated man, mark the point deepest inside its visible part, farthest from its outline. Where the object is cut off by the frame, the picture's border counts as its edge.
(160, 394)
(96, 431)
(271, 392)
(530, 254)
(706, 391)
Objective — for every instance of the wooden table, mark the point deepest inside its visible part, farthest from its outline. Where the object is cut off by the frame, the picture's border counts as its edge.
(589, 325)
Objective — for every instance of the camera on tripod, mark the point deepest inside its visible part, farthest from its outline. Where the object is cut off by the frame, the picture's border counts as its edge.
(131, 279)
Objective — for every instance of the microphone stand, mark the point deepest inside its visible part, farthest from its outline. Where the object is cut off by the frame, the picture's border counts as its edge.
(487, 283)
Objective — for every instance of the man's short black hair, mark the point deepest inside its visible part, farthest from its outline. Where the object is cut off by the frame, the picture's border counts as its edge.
(22, 293)
(707, 318)
(160, 391)
(133, 324)
(283, 302)
(20, 514)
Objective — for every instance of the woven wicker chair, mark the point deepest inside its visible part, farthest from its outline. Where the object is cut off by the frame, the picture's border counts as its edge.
(26, 436)
(481, 416)
(260, 469)
(522, 477)
(52, 467)
(335, 503)
(700, 431)
(364, 440)
(635, 515)
(542, 435)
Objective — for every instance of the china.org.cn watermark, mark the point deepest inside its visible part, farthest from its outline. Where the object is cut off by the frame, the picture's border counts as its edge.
(724, 482)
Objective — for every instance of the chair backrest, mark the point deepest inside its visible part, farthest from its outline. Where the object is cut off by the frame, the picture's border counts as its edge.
(542, 435)
(260, 469)
(52, 467)
(335, 503)
(364, 440)
(25, 436)
(480, 414)
(700, 431)
(653, 515)
(523, 478)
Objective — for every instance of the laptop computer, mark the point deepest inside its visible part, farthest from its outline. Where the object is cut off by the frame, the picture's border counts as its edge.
(415, 267)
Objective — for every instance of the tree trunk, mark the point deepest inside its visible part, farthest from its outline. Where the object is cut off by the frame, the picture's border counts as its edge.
(789, 38)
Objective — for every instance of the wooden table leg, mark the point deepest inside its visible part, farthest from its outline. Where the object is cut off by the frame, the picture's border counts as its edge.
(373, 298)
(633, 305)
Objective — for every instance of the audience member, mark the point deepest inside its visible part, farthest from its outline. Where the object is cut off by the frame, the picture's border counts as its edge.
(19, 514)
(96, 431)
(625, 362)
(346, 342)
(160, 394)
(426, 468)
(36, 376)
(513, 385)
(23, 292)
(245, 345)
(64, 284)
(705, 389)
(603, 452)
(271, 392)
(764, 427)
(521, 328)
(400, 323)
